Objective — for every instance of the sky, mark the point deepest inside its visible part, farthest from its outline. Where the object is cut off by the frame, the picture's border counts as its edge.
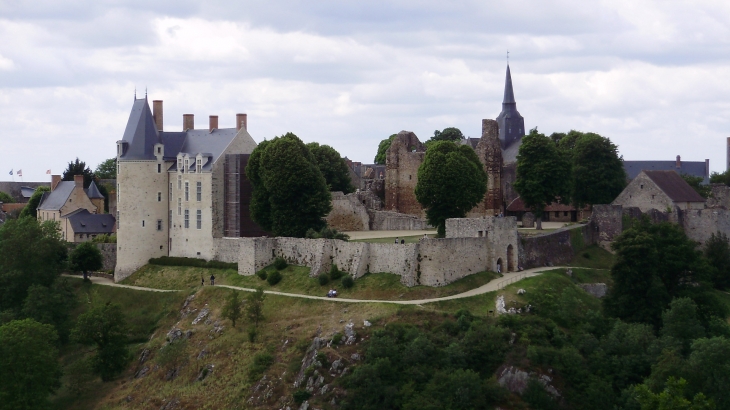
(650, 75)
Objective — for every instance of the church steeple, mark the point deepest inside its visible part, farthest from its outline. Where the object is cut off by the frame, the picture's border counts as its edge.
(511, 123)
(509, 94)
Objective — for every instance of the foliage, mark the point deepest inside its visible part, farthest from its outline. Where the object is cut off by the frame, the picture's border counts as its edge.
(448, 134)
(80, 374)
(333, 167)
(260, 363)
(255, 307)
(682, 323)
(107, 169)
(105, 238)
(451, 181)
(300, 396)
(199, 263)
(327, 233)
(710, 365)
(323, 279)
(6, 198)
(717, 252)
(232, 309)
(696, 184)
(290, 193)
(280, 263)
(262, 274)
(106, 328)
(51, 305)
(720, 178)
(30, 253)
(31, 208)
(380, 157)
(274, 278)
(335, 272)
(86, 257)
(78, 167)
(542, 173)
(597, 174)
(29, 368)
(347, 282)
(672, 398)
(172, 354)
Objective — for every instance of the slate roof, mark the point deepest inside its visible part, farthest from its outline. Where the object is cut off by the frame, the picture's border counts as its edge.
(676, 188)
(694, 168)
(54, 200)
(84, 221)
(21, 191)
(93, 192)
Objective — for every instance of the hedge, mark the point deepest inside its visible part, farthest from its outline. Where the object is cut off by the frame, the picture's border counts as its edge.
(198, 263)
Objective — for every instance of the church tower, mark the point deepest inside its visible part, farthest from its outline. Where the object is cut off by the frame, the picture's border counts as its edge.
(511, 123)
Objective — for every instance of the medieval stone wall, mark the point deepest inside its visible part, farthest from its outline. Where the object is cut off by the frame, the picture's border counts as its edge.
(607, 222)
(556, 248)
(348, 213)
(403, 159)
(394, 221)
(699, 224)
(720, 196)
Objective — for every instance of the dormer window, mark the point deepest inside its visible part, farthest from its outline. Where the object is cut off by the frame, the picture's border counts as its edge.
(187, 164)
(179, 165)
(199, 166)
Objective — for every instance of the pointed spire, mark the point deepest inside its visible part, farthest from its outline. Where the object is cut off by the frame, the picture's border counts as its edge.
(145, 93)
(509, 94)
(135, 93)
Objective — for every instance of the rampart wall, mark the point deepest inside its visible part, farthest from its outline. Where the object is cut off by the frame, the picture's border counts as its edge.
(556, 248)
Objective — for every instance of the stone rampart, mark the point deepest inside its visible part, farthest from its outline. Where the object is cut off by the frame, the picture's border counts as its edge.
(556, 248)
(395, 221)
(348, 213)
(699, 224)
(442, 261)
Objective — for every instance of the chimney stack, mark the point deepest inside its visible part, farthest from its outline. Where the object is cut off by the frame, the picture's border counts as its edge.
(707, 168)
(79, 181)
(679, 162)
(55, 179)
(188, 122)
(157, 113)
(241, 122)
(213, 123)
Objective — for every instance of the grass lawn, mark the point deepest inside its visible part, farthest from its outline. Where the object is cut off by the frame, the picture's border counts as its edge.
(534, 232)
(381, 286)
(594, 257)
(408, 239)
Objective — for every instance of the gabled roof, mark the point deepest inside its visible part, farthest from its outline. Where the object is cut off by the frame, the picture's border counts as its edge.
(84, 221)
(676, 188)
(93, 192)
(694, 168)
(55, 200)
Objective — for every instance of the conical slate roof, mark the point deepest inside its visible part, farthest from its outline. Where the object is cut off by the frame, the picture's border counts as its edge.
(93, 192)
(509, 94)
(141, 132)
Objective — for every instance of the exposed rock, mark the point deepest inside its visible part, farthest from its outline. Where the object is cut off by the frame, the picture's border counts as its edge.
(202, 354)
(598, 290)
(202, 315)
(350, 334)
(170, 405)
(569, 272)
(500, 305)
(142, 372)
(336, 365)
(355, 357)
(324, 389)
(172, 374)
(128, 399)
(188, 334)
(304, 406)
(144, 356)
(513, 379)
(545, 380)
(521, 291)
(173, 335)
(367, 324)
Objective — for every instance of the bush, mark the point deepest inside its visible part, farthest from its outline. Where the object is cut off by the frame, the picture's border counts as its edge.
(261, 362)
(336, 338)
(301, 395)
(198, 263)
(274, 278)
(105, 238)
(326, 233)
(587, 255)
(323, 279)
(347, 282)
(280, 264)
(335, 273)
(262, 274)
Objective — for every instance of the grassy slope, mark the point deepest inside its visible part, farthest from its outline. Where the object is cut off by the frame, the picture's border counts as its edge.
(594, 257)
(382, 286)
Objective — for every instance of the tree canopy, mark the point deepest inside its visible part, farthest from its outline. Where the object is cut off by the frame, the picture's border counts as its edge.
(86, 257)
(6, 198)
(31, 208)
(290, 193)
(720, 178)
(451, 181)
(696, 184)
(78, 167)
(597, 170)
(106, 328)
(107, 169)
(717, 252)
(333, 167)
(382, 148)
(542, 173)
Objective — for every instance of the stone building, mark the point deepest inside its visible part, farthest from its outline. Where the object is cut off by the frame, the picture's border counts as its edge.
(660, 190)
(178, 190)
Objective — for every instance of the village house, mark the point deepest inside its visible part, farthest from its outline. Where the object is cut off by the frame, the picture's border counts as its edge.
(660, 190)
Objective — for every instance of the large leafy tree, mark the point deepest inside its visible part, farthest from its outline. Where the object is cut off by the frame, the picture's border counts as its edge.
(696, 184)
(31, 209)
(51, 305)
(29, 367)
(86, 257)
(717, 252)
(382, 149)
(30, 253)
(290, 193)
(452, 134)
(451, 181)
(106, 328)
(333, 167)
(107, 169)
(720, 178)
(78, 167)
(597, 175)
(542, 173)
(6, 198)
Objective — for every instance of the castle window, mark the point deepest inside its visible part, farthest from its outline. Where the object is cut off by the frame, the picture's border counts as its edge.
(199, 166)
(187, 164)
(179, 206)
(143, 223)
(158, 150)
(199, 191)
(159, 168)
(159, 197)
(187, 218)
(179, 182)
(169, 217)
(54, 217)
(410, 177)
(159, 224)
(481, 234)
(199, 219)
(641, 186)
(187, 191)
(170, 194)
(652, 197)
(179, 165)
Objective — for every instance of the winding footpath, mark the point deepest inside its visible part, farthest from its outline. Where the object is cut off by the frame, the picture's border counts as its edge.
(494, 285)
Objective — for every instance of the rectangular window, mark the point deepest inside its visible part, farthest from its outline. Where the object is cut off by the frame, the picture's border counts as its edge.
(187, 191)
(199, 191)
(179, 182)
(170, 200)
(159, 224)
(187, 218)
(199, 219)
(169, 217)
(179, 165)
(179, 206)
(159, 168)
(557, 214)
(199, 166)
(143, 223)
(187, 164)
(159, 197)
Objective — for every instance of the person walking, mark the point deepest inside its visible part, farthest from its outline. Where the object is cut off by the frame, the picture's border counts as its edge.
(396, 240)
(212, 280)
(202, 281)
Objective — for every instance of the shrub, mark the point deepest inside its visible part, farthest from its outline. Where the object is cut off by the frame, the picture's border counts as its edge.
(323, 279)
(587, 255)
(274, 278)
(262, 274)
(261, 362)
(280, 264)
(335, 273)
(195, 262)
(336, 338)
(301, 395)
(322, 358)
(347, 282)
(326, 233)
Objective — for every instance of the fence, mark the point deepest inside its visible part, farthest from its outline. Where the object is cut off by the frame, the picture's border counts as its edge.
(509, 281)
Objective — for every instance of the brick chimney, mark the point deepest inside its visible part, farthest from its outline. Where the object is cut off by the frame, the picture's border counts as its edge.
(188, 122)
(55, 179)
(707, 167)
(241, 122)
(679, 162)
(79, 181)
(212, 123)
(157, 113)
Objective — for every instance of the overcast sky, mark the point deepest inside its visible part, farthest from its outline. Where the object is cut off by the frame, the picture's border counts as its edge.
(650, 75)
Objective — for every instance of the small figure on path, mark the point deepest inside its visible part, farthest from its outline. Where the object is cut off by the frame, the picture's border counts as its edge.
(212, 280)
(202, 281)
(402, 241)
(499, 268)
(396, 240)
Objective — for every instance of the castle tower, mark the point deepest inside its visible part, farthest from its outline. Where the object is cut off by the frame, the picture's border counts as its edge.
(489, 151)
(511, 123)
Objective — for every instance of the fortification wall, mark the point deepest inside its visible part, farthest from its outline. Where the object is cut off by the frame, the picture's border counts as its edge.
(442, 261)
(607, 222)
(699, 224)
(557, 248)
(394, 221)
(348, 213)
(226, 249)
(720, 197)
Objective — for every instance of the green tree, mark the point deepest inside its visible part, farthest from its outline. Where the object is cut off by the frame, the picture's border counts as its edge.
(542, 173)
(382, 149)
(717, 252)
(597, 171)
(30, 253)
(451, 181)
(681, 322)
(31, 208)
(6, 198)
(696, 184)
(106, 328)
(51, 305)
(232, 308)
(29, 368)
(107, 169)
(255, 306)
(710, 366)
(78, 167)
(290, 194)
(452, 134)
(672, 398)
(333, 167)
(86, 257)
(720, 178)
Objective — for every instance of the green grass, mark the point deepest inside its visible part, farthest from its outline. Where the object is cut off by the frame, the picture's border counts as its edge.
(593, 257)
(408, 239)
(534, 232)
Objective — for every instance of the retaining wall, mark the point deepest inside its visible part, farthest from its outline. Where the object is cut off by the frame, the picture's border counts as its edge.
(556, 248)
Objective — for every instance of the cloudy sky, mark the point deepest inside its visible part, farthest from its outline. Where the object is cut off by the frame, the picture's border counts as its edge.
(650, 75)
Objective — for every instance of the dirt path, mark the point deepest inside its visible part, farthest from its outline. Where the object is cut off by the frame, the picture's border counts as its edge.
(496, 284)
